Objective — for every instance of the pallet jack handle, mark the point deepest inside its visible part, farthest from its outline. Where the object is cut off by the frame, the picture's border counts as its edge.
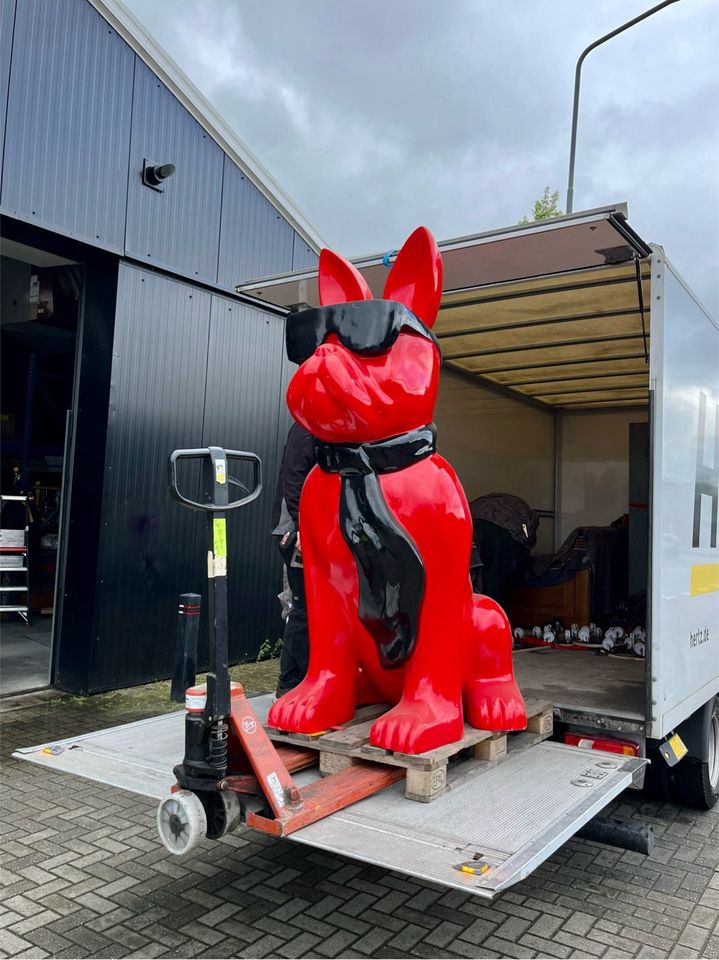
(218, 459)
(216, 503)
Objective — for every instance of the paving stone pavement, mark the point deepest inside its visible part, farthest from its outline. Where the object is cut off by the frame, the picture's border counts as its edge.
(84, 875)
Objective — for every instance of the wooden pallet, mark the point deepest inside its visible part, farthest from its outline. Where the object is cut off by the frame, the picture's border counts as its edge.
(426, 773)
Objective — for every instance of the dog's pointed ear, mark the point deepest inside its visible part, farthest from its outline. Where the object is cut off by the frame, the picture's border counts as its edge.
(339, 281)
(416, 277)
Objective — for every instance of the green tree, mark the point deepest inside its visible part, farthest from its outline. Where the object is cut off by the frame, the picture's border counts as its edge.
(545, 207)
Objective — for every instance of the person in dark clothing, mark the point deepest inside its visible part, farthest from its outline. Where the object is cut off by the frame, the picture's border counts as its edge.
(297, 461)
(505, 530)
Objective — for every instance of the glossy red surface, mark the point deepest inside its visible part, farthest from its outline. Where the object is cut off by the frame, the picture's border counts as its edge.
(416, 277)
(340, 281)
(342, 397)
(461, 667)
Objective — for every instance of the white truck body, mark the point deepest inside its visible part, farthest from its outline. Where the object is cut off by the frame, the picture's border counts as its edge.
(684, 657)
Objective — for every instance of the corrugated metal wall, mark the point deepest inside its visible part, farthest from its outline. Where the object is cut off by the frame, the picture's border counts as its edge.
(83, 113)
(189, 369)
(7, 21)
(246, 213)
(242, 412)
(68, 122)
(179, 228)
(303, 256)
(157, 398)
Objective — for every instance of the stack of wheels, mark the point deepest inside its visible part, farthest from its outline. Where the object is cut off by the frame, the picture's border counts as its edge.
(185, 818)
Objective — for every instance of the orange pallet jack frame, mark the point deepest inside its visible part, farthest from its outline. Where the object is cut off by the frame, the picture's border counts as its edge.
(292, 807)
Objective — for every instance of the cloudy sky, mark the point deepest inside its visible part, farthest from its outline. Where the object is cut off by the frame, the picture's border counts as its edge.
(376, 116)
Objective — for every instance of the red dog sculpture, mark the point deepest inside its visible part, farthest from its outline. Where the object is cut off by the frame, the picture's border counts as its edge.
(384, 523)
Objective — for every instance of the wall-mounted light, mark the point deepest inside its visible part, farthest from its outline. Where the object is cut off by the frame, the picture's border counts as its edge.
(155, 174)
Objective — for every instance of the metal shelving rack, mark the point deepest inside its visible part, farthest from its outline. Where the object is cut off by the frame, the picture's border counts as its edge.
(14, 550)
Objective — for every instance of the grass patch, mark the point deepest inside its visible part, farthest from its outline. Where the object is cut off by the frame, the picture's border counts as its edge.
(154, 698)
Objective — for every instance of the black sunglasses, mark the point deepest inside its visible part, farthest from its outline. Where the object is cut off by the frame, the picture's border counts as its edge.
(368, 327)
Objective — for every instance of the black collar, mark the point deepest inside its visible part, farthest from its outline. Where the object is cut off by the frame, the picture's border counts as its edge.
(382, 456)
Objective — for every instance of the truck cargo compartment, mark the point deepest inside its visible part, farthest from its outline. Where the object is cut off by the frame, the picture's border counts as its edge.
(579, 680)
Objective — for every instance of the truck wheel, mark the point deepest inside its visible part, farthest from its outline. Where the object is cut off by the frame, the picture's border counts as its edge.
(698, 780)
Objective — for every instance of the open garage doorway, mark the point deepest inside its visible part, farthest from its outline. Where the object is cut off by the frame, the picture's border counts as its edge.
(40, 304)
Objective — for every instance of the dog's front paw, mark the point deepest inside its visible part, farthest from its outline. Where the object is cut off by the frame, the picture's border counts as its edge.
(414, 726)
(315, 705)
(494, 705)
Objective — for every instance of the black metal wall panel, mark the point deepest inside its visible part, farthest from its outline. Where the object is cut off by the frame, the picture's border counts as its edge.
(7, 22)
(303, 256)
(242, 412)
(180, 227)
(255, 240)
(147, 551)
(68, 122)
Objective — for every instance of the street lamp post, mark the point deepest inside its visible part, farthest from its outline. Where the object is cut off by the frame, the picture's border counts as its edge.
(577, 78)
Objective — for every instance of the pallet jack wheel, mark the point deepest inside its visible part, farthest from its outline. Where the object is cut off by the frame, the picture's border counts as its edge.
(181, 821)
(223, 812)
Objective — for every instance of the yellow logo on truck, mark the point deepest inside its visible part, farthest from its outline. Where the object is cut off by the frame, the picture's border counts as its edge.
(704, 578)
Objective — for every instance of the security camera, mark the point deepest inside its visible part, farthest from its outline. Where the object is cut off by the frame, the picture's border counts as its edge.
(155, 174)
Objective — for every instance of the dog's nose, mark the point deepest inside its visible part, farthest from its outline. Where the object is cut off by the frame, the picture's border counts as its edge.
(328, 346)
(324, 350)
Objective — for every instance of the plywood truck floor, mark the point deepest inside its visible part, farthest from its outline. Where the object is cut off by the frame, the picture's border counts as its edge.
(500, 820)
(580, 680)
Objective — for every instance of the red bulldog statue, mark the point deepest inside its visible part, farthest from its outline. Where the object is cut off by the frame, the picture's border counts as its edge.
(384, 523)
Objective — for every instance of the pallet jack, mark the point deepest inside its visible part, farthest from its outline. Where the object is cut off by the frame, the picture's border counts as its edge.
(232, 773)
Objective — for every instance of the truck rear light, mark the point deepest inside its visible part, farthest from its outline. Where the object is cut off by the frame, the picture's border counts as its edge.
(608, 744)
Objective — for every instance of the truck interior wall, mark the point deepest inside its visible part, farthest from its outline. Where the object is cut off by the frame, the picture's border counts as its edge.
(594, 467)
(497, 444)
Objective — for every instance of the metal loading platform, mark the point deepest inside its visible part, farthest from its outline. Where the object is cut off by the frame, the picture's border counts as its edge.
(498, 821)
